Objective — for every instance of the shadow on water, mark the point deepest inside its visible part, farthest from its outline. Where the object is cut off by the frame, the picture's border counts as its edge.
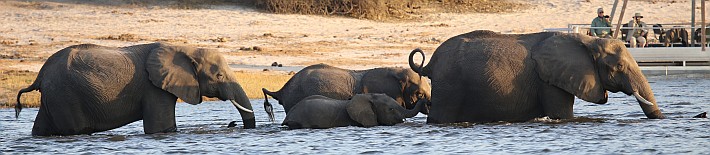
(616, 127)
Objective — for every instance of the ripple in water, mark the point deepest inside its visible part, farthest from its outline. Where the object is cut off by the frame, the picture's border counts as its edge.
(617, 127)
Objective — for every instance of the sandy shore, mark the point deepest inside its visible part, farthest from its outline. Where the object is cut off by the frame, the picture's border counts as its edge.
(31, 31)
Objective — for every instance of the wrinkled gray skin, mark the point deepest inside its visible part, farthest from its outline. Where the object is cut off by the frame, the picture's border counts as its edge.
(89, 88)
(483, 76)
(365, 110)
(404, 85)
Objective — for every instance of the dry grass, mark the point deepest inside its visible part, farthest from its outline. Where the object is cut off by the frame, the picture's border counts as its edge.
(13, 81)
(476, 6)
(252, 82)
(121, 37)
(384, 9)
(369, 9)
(175, 4)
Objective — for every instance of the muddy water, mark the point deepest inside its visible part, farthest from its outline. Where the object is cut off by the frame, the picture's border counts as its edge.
(616, 127)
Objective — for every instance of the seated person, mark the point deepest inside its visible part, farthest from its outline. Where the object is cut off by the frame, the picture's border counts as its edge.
(636, 35)
(601, 21)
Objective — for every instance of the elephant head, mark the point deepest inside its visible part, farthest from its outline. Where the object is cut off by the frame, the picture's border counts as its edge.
(589, 67)
(190, 73)
(404, 85)
(379, 109)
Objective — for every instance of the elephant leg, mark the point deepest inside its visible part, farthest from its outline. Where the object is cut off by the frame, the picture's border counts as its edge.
(60, 122)
(43, 125)
(159, 113)
(63, 115)
(446, 104)
(556, 102)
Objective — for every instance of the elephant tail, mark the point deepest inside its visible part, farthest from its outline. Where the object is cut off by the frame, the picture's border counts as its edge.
(268, 107)
(18, 105)
(418, 69)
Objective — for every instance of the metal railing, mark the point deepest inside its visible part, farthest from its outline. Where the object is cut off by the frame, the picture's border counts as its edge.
(576, 28)
(572, 27)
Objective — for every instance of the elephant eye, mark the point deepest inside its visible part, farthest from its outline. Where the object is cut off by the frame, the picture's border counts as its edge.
(391, 109)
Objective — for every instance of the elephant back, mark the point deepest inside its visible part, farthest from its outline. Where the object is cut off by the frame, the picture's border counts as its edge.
(102, 69)
(456, 40)
(320, 79)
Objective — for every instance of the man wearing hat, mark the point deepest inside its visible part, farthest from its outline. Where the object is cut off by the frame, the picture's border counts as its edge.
(601, 21)
(636, 35)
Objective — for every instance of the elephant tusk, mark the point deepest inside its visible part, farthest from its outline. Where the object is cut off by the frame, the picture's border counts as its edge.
(240, 107)
(641, 99)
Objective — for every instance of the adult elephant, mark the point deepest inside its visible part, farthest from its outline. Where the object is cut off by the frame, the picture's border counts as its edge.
(484, 76)
(90, 88)
(402, 84)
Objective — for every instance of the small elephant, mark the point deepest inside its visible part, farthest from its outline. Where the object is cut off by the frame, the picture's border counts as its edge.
(402, 84)
(484, 76)
(90, 88)
(364, 110)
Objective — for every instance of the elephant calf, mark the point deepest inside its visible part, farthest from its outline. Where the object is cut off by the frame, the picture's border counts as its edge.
(402, 84)
(364, 110)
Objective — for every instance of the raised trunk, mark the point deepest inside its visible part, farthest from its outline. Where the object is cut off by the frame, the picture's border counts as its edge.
(640, 85)
(414, 111)
(242, 100)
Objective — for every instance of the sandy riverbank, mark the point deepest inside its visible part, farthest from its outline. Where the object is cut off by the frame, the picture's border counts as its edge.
(32, 31)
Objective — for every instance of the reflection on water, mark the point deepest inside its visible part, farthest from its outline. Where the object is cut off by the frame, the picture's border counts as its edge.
(615, 127)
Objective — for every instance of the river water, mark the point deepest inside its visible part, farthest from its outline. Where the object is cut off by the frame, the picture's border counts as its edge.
(616, 127)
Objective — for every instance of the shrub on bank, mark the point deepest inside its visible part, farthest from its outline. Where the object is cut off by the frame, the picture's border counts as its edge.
(383, 9)
(369, 9)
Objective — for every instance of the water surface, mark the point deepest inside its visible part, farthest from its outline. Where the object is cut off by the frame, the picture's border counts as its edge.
(615, 127)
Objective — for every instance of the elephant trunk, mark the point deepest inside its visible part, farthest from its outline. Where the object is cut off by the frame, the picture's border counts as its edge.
(414, 111)
(644, 95)
(427, 105)
(240, 100)
(415, 68)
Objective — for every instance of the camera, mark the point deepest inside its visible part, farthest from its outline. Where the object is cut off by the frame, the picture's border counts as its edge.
(606, 16)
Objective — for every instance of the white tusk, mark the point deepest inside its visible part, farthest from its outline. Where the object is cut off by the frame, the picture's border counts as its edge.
(641, 99)
(240, 107)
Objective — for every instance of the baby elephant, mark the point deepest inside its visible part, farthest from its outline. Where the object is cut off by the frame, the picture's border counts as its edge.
(364, 110)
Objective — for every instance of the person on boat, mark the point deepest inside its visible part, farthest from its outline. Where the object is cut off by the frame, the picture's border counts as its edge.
(601, 21)
(636, 35)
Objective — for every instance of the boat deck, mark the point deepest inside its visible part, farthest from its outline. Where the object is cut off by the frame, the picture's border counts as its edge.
(672, 60)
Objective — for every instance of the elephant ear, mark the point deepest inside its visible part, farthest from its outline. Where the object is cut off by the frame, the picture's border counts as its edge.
(172, 69)
(361, 110)
(568, 62)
